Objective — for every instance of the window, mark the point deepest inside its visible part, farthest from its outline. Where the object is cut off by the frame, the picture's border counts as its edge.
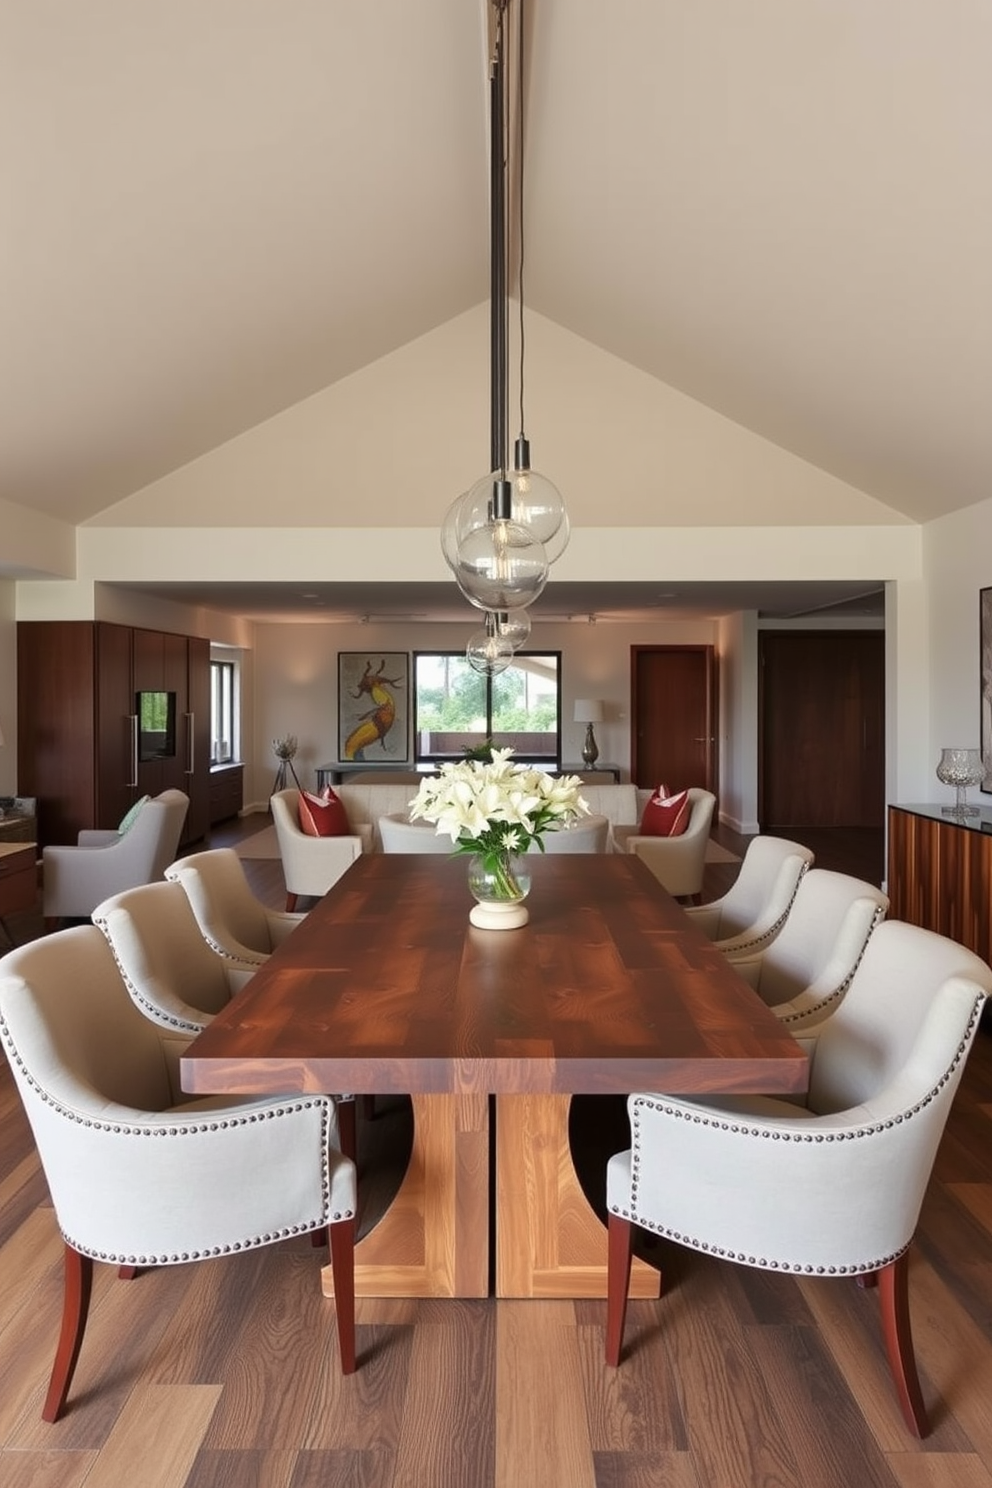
(222, 715)
(457, 708)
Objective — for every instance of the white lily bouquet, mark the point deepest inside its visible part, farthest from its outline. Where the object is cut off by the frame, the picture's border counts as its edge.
(497, 809)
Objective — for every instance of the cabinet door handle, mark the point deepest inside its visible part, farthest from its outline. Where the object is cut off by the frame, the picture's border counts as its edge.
(133, 720)
(190, 746)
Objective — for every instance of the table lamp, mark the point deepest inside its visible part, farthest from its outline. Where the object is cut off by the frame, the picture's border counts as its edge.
(589, 711)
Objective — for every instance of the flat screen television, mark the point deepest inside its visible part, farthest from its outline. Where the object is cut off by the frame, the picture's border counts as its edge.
(156, 725)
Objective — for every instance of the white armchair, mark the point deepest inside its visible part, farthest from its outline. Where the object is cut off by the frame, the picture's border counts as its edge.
(232, 920)
(590, 834)
(310, 865)
(806, 970)
(231, 1175)
(830, 1188)
(75, 879)
(753, 910)
(400, 835)
(677, 862)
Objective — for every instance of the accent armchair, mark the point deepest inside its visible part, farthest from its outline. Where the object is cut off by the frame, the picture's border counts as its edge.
(753, 910)
(677, 862)
(140, 1175)
(590, 834)
(234, 923)
(310, 865)
(832, 1187)
(76, 879)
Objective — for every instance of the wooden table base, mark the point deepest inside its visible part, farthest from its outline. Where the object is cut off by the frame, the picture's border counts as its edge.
(433, 1240)
(549, 1241)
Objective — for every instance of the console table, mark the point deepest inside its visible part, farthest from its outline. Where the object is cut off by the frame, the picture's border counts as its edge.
(940, 873)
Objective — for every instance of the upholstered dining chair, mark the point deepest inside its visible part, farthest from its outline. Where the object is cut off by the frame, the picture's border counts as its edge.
(806, 970)
(399, 835)
(172, 974)
(677, 862)
(310, 865)
(140, 1175)
(590, 834)
(827, 1188)
(751, 913)
(232, 920)
(76, 878)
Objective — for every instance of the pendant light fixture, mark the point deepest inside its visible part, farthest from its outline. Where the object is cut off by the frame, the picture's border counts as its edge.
(500, 537)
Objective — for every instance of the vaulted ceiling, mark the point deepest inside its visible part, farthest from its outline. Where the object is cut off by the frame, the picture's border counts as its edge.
(212, 210)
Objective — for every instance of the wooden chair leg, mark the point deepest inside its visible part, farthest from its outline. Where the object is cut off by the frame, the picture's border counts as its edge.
(894, 1301)
(75, 1306)
(342, 1240)
(620, 1236)
(127, 1273)
(291, 903)
(868, 1279)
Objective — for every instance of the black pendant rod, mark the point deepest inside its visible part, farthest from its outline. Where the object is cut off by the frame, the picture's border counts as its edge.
(497, 298)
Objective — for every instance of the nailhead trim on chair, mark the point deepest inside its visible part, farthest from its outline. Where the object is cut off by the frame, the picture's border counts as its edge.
(155, 1013)
(822, 1005)
(734, 947)
(657, 1103)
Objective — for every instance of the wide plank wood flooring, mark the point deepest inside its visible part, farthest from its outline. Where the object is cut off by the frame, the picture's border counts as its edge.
(224, 1374)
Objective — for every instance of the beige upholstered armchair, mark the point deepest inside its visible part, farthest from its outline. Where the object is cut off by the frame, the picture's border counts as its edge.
(310, 865)
(832, 1187)
(677, 862)
(400, 835)
(140, 1175)
(590, 834)
(807, 968)
(75, 879)
(232, 920)
(753, 910)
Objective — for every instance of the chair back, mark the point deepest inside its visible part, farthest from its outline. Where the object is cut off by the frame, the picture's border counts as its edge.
(230, 917)
(398, 835)
(588, 835)
(156, 832)
(755, 907)
(868, 1040)
(823, 938)
(168, 968)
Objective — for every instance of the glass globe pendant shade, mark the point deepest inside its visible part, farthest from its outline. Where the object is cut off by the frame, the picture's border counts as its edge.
(501, 567)
(513, 627)
(536, 503)
(487, 651)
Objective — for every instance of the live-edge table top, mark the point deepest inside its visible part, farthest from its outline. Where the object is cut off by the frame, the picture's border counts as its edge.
(386, 987)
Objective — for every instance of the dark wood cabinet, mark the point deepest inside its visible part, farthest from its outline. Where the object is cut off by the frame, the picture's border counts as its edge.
(940, 874)
(78, 738)
(227, 786)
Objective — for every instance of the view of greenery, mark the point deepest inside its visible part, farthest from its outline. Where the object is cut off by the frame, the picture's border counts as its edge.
(451, 697)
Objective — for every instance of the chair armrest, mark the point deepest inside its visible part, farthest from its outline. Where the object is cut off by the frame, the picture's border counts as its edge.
(97, 837)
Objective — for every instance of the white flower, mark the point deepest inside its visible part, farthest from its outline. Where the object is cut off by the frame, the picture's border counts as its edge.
(497, 806)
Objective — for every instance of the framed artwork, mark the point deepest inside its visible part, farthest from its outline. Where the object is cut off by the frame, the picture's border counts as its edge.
(985, 632)
(374, 707)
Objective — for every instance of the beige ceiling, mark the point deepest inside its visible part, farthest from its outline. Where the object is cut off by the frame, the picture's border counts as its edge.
(214, 208)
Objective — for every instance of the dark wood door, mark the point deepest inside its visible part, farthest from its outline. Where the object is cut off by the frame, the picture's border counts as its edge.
(57, 742)
(822, 721)
(116, 724)
(197, 759)
(674, 716)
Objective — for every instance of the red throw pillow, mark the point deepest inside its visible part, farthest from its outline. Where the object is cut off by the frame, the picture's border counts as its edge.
(323, 815)
(665, 815)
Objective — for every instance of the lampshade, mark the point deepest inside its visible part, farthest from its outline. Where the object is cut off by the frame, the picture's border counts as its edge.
(588, 710)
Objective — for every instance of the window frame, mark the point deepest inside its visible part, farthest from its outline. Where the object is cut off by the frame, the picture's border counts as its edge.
(223, 711)
(431, 759)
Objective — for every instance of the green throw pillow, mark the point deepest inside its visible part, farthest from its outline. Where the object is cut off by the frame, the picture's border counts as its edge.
(130, 817)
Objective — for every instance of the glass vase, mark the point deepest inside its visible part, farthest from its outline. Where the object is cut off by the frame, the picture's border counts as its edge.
(499, 883)
(960, 768)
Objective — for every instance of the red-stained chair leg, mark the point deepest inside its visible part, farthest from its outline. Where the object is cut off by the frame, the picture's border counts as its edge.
(894, 1301)
(290, 903)
(75, 1306)
(620, 1236)
(342, 1238)
(868, 1279)
(127, 1273)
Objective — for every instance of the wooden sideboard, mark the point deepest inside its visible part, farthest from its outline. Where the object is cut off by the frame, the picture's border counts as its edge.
(940, 873)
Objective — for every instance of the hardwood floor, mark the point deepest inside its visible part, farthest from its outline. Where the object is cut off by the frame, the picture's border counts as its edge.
(224, 1374)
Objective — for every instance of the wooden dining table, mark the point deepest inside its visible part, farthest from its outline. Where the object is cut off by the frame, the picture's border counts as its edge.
(386, 988)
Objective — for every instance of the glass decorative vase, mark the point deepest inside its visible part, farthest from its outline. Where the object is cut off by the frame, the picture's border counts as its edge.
(499, 883)
(960, 768)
